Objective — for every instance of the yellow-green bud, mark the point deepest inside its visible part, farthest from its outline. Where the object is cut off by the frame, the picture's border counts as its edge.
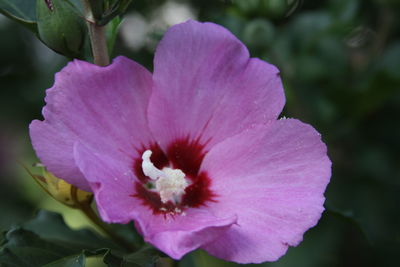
(61, 190)
(279, 8)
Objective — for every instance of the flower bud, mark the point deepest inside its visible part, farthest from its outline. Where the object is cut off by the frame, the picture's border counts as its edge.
(60, 190)
(276, 8)
(61, 27)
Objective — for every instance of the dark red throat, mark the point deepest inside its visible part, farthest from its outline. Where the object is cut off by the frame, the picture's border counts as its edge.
(182, 154)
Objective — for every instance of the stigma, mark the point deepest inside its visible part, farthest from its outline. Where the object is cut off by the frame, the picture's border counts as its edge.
(169, 183)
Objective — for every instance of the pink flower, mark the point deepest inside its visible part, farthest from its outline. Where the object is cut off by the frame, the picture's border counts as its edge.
(193, 153)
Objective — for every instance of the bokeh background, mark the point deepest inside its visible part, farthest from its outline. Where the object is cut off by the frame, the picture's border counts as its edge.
(340, 63)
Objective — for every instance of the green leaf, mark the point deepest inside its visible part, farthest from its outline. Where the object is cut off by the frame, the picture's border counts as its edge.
(50, 225)
(72, 261)
(112, 260)
(24, 248)
(146, 257)
(129, 233)
(78, 260)
(22, 11)
(47, 241)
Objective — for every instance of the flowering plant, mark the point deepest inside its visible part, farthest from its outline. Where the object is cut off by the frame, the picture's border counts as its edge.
(193, 154)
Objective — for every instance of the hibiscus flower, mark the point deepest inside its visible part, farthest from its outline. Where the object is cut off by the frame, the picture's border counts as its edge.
(194, 153)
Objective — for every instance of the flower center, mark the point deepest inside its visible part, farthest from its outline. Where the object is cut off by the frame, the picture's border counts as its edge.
(169, 183)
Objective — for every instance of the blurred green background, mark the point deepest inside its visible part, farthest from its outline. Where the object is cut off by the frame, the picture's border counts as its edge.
(340, 63)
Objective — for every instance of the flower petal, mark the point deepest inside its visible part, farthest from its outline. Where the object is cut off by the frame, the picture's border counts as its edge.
(179, 234)
(102, 107)
(207, 87)
(113, 185)
(275, 182)
(112, 182)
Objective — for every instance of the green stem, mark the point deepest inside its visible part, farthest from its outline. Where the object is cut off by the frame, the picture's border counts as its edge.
(92, 216)
(99, 44)
(97, 38)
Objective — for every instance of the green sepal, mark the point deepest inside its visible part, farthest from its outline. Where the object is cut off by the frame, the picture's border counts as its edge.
(97, 8)
(112, 32)
(112, 10)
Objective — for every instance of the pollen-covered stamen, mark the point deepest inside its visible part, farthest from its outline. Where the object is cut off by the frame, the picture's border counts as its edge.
(169, 183)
